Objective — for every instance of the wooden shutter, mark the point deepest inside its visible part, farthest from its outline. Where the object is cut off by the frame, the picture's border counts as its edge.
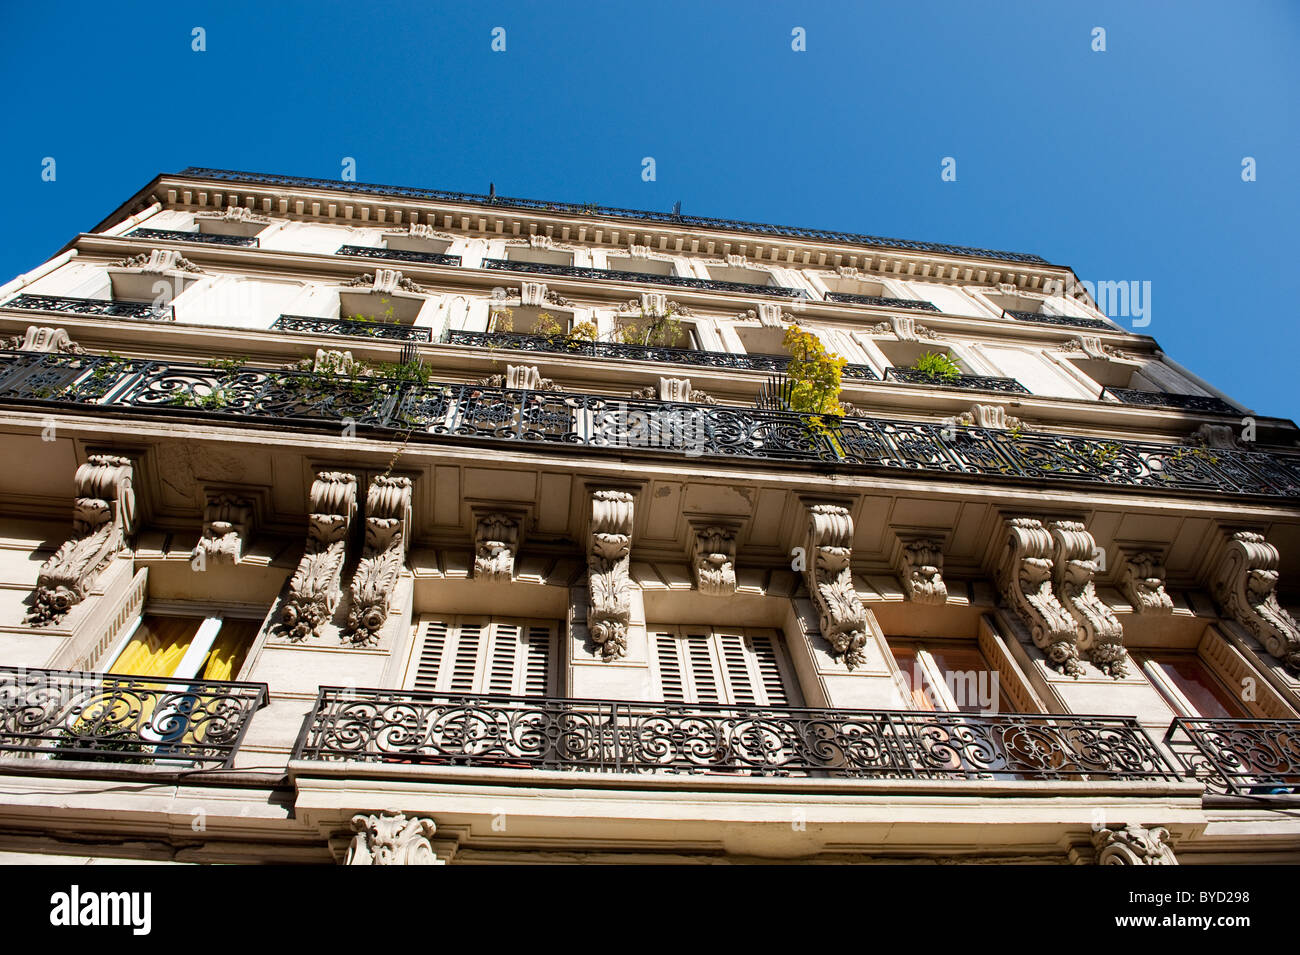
(712, 665)
(484, 655)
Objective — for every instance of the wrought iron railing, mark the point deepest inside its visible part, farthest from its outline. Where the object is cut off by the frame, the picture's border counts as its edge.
(617, 275)
(212, 238)
(979, 382)
(333, 326)
(881, 301)
(1165, 399)
(99, 717)
(93, 306)
(1042, 318)
(400, 255)
(516, 341)
(428, 411)
(1239, 757)
(412, 727)
(574, 208)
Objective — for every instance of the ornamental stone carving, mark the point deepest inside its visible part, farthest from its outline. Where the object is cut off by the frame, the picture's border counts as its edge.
(42, 338)
(1024, 576)
(416, 230)
(158, 262)
(227, 520)
(674, 389)
(905, 328)
(1134, 845)
(654, 303)
(1093, 347)
(103, 517)
(235, 214)
(920, 567)
(1215, 436)
(390, 838)
(496, 544)
(1099, 635)
(1142, 580)
(523, 377)
(316, 586)
(331, 361)
(713, 559)
(1245, 585)
(609, 612)
(388, 532)
(829, 580)
(384, 281)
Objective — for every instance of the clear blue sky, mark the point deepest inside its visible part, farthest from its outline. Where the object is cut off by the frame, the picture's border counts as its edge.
(1125, 165)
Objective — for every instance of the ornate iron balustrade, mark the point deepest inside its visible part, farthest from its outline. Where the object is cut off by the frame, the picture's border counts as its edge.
(589, 209)
(516, 341)
(171, 235)
(1239, 757)
(1166, 399)
(99, 717)
(333, 326)
(1042, 318)
(597, 423)
(881, 301)
(396, 726)
(617, 275)
(982, 382)
(93, 306)
(401, 255)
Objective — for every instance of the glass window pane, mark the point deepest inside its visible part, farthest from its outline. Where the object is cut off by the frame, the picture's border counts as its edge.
(1208, 697)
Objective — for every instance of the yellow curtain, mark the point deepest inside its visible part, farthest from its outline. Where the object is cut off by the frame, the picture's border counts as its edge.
(158, 646)
(229, 649)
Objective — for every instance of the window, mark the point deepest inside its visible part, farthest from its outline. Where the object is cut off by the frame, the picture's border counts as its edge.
(483, 655)
(527, 253)
(636, 263)
(718, 665)
(947, 676)
(204, 648)
(733, 273)
(1189, 686)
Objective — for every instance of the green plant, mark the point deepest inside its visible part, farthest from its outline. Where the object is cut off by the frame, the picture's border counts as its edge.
(387, 316)
(657, 330)
(1104, 454)
(584, 332)
(814, 375)
(938, 366)
(502, 320)
(113, 743)
(548, 325)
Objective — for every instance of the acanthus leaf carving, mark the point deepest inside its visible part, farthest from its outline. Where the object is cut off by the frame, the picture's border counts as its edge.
(235, 214)
(496, 545)
(829, 578)
(713, 559)
(1134, 845)
(1142, 580)
(227, 520)
(1245, 585)
(1024, 576)
(158, 262)
(42, 338)
(609, 613)
(388, 531)
(1099, 634)
(920, 567)
(316, 586)
(391, 838)
(384, 281)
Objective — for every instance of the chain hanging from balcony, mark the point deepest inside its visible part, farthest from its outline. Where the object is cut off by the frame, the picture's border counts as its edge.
(212, 238)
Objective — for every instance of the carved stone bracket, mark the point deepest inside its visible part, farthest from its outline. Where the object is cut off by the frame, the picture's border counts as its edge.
(609, 613)
(497, 536)
(159, 262)
(227, 521)
(524, 377)
(390, 838)
(1024, 576)
(1142, 580)
(384, 281)
(1134, 845)
(316, 586)
(985, 416)
(416, 230)
(1245, 585)
(713, 559)
(103, 517)
(905, 328)
(235, 214)
(388, 535)
(654, 303)
(674, 389)
(919, 565)
(1212, 436)
(1100, 637)
(1093, 347)
(44, 339)
(830, 581)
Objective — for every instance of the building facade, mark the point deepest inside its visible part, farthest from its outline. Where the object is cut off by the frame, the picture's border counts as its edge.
(348, 523)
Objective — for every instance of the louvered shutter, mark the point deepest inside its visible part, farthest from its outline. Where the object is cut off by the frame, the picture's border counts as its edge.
(707, 665)
(768, 663)
(432, 645)
(672, 680)
(484, 655)
(465, 657)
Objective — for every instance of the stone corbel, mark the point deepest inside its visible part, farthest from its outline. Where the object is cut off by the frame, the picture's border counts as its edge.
(1024, 576)
(770, 315)
(42, 338)
(390, 838)
(159, 262)
(1245, 585)
(713, 559)
(985, 416)
(1215, 436)
(532, 293)
(1142, 581)
(1099, 635)
(103, 518)
(674, 389)
(905, 328)
(497, 536)
(384, 281)
(829, 579)
(1134, 845)
(609, 613)
(388, 537)
(1093, 347)
(316, 586)
(919, 565)
(235, 214)
(227, 522)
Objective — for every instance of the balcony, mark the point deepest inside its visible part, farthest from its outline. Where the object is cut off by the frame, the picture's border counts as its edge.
(448, 413)
(93, 306)
(1042, 318)
(54, 715)
(212, 238)
(398, 255)
(978, 382)
(615, 275)
(390, 331)
(559, 344)
(1239, 757)
(1164, 399)
(881, 301)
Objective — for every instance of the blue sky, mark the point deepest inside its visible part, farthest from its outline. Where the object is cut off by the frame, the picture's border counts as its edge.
(1125, 165)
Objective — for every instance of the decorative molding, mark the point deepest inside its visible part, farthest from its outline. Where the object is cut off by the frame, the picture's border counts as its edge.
(985, 416)
(1100, 636)
(674, 389)
(1212, 436)
(1134, 845)
(158, 262)
(388, 537)
(524, 377)
(713, 559)
(1245, 584)
(608, 560)
(920, 567)
(497, 536)
(383, 281)
(390, 838)
(905, 328)
(654, 303)
(1142, 580)
(42, 338)
(235, 214)
(227, 521)
(1024, 576)
(829, 579)
(1093, 347)
(103, 518)
(332, 361)
(416, 230)
(316, 586)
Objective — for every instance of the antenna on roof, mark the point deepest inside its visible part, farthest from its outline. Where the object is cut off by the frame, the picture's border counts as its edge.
(492, 190)
(677, 208)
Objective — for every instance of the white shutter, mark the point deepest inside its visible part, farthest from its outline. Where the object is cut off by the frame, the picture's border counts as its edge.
(483, 655)
(672, 681)
(770, 664)
(431, 644)
(710, 665)
(735, 656)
